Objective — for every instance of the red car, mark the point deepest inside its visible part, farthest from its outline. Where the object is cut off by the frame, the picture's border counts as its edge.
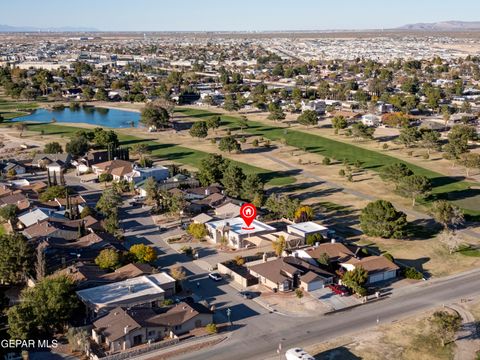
(338, 289)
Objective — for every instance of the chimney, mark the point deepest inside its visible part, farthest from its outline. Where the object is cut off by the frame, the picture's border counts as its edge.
(207, 191)
(131, 289)
(125, 329)
(333, 241)
(264, 257)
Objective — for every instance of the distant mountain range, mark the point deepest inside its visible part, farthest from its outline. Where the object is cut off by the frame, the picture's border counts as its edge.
(443, 26)
(8, 28)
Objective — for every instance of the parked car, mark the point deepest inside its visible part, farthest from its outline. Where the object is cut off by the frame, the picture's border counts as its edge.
(215, 276)
(339, 289)
(246, 294)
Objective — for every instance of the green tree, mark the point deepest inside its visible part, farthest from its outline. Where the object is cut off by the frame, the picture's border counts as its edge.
(430, 140)
(414, 186)
(43, 309)
(105, 177)
(199, 129)
(279, 245)
(355, 279)
(228, 143)
(8, 213)
(213, 122)
(110, 223)
(155, 116)
(276, 112)
(446, 214)
(103, 138)
(312, 239)
(108, 259)
(198, 231)
(16, 258)
(211, 169)
(360, 131)
(308, 117)
(409, 136)
(101, 94)
(53, 148)
(339, 122)
(77, 146)
(232, 180)
(109, 202)
(323, 259)
(282, 206)
(395, 172)
(380, 218)
(140, 150)
(252, 186)
(53, 192)
(470, 161)
(87, 211)
(143, 253)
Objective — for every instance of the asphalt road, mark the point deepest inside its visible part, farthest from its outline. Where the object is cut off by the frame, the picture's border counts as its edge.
(263, 333)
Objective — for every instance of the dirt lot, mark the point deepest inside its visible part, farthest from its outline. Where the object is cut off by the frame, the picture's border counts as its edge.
(409, 339)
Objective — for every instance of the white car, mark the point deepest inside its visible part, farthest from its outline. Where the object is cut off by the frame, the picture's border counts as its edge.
(215, 276)
(298, 354)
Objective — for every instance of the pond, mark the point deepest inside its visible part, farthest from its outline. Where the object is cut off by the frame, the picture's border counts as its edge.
(103, 117)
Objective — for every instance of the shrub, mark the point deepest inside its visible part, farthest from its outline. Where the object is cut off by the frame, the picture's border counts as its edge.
(167, 302)
(187, 250)
(412, 273)
(341, 172)
(388, 256)
(385, 146)
(211, 328)
(105, 177)
(299, 293)
(326, 161)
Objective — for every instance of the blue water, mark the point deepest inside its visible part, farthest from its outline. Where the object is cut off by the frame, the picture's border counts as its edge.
(97, 116)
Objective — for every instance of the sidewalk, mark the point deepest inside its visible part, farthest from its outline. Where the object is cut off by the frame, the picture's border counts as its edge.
(184, 347)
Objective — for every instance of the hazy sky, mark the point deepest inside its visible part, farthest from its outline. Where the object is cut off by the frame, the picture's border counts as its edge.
(202, 15)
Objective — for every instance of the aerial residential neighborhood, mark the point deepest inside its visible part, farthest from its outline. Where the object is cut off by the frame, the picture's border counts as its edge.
(230, 188)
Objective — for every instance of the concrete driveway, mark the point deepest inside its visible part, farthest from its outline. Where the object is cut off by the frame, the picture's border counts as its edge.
(334, 301)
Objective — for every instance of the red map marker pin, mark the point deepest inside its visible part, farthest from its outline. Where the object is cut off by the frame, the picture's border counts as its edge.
(248, 212)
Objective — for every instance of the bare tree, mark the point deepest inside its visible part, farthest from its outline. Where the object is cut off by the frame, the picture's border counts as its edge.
(451, 240)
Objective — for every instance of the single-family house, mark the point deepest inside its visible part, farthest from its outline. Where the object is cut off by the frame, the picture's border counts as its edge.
(304, 229)
(379, 268)
(13, 166)
(123, 328)
(227, 210)
(370, 120)
(42, 160)
(117, 168)
(141, 291)
(158, 172)
(277, 274)
(336, 253)
(235, 232)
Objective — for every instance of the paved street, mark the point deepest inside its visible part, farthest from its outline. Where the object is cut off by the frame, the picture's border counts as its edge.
(260, 338)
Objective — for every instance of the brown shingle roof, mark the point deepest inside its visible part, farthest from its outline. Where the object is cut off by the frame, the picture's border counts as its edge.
(335, 251)
(373, 264)
(276, 270)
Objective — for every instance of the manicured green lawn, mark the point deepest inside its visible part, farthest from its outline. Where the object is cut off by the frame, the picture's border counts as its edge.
(444, 187)
(169, 152)
(469, 251)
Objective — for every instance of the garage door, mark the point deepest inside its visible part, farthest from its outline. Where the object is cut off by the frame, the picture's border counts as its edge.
(375, 277)
(314, 285)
